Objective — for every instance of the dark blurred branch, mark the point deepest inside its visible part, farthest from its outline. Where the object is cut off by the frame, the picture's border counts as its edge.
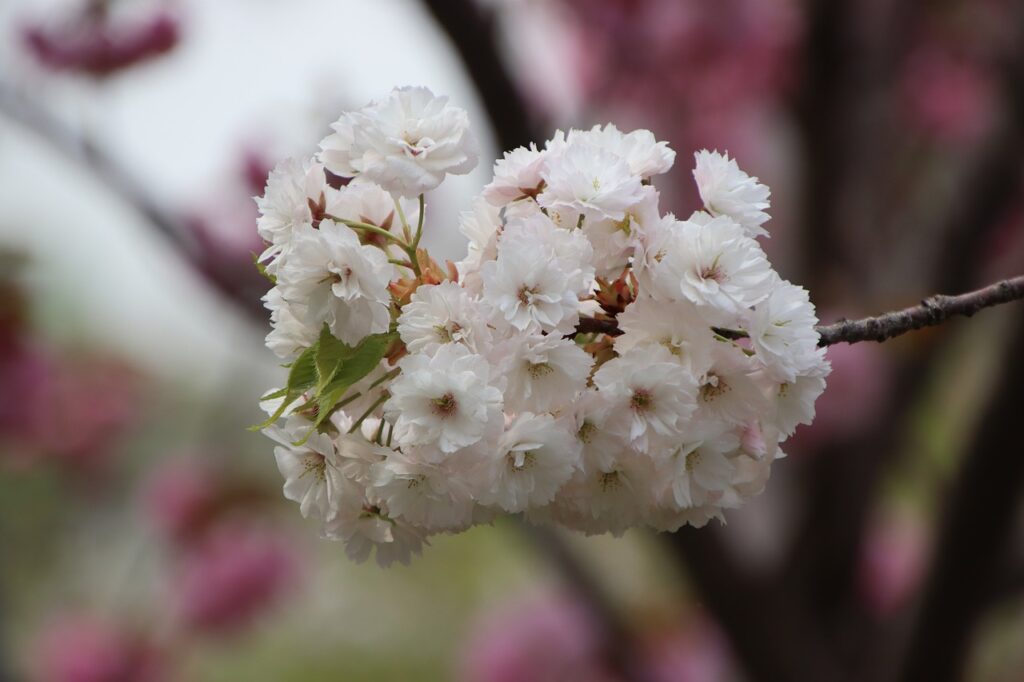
(974, 534)
(770, 634)
(103, 168)
(842, 478)
(991, 186)
(822, 113)
(617, 642)
(932, 311)
(471, 30)
(25, 112)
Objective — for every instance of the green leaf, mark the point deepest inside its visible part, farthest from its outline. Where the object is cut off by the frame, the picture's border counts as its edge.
(279, 393)
(362, 360)
(331, 354)
(301, 378)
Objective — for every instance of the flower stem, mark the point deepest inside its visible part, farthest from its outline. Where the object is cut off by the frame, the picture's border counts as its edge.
(419, 223)
(356, 225)
(377, 403)
(405, 223)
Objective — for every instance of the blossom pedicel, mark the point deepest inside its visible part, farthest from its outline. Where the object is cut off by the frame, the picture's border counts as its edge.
(591, 363)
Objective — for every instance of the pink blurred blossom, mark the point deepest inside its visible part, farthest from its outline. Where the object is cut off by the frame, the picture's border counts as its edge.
(553, 639)
(178, 497)
(698, 74)
(541, 639)
(696, 653)
(223, 227)
(91, 42)
(892, 563)
(231, 576)
(82, 648)
(66, 411)
(947, 95)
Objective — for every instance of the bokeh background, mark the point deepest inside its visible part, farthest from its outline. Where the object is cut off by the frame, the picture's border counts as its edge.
(143, 537)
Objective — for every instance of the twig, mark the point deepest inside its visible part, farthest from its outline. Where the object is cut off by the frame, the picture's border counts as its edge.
(932, 311)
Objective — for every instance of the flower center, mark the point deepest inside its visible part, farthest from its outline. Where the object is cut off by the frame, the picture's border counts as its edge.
(609, 481)
(520, 460)
(445, 406)
(713, 271)
(525, 294)
(446, 333)
(315, 465)
(642, 400)
(713, 388)
(673, 347)
(693, 460)
(539, 369)
(586, 432)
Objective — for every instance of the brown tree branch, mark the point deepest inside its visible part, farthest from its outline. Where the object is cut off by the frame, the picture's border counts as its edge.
(932, 311)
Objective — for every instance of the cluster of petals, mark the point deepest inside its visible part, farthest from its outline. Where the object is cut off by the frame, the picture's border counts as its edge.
(496, 396)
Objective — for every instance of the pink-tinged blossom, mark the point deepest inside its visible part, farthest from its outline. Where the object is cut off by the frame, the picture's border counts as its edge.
(543, 639)
(891, 563)
(505, 391)
(99, 45)
(696, 653)
(84, 648)
(178, 497)
(233, 575)
(406, 142)
(946, 95)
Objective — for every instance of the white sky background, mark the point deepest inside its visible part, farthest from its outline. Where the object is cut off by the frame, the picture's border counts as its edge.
(245, 69)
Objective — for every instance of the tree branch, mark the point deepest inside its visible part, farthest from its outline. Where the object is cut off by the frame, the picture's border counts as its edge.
(932, 311)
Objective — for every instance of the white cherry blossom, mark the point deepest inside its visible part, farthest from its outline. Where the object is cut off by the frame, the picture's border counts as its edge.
(727, 190)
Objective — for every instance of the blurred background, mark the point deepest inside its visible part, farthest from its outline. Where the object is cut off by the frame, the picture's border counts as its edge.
(143, 536)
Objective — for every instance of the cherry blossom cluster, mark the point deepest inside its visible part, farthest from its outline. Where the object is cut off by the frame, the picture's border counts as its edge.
(591, 362)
